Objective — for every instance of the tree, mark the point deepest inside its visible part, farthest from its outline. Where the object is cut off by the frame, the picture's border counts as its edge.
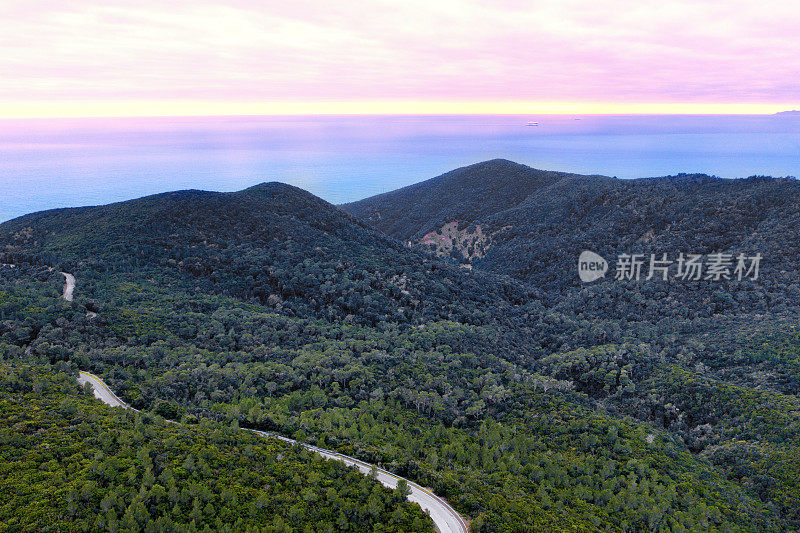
(403, 490)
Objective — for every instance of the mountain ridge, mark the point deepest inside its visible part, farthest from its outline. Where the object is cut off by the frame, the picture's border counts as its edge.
(537, 237)
(458, 193)
(658, 405)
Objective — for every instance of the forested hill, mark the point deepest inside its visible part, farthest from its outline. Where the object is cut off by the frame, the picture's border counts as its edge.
(265, 212)
(273, 244)
(467, 195)
(511, 219)
(615, 407)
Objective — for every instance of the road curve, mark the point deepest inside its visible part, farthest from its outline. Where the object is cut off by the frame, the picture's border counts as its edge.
(101, 390)
(69, 286)
(446, 518)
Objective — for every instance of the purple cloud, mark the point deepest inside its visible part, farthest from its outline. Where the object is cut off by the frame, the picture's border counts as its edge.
(574, 50)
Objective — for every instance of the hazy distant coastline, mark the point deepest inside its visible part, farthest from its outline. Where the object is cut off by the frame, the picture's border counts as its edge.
(343, 159)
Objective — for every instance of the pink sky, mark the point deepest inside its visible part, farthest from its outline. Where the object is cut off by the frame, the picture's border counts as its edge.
(82, 53)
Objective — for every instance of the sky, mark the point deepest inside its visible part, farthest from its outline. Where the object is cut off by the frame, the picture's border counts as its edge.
(156, 57)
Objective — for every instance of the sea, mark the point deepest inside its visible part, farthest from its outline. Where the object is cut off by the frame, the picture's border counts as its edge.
(49, 163)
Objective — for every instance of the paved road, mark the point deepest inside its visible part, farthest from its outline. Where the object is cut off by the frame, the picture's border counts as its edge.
(447, 520)
(101, 390)
(69, 286)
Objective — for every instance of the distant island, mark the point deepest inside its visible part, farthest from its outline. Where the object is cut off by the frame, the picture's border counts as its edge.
(792, 113)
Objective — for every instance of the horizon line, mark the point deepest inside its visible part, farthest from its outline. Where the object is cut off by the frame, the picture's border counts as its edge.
(199, 108)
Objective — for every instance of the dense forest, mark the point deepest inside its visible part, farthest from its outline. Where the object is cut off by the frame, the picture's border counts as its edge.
(538, 233)
(529, 402)
(72, 464)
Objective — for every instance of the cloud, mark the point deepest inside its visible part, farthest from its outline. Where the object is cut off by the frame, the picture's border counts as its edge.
(572, 50)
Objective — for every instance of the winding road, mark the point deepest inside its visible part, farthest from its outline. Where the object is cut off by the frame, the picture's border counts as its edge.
(69, 286)
(446, 518)
(101, 390)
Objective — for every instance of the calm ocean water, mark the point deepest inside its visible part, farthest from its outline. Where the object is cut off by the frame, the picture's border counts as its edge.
(58, 163)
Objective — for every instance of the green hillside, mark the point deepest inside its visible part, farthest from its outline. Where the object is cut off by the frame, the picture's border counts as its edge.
(527, 410)
(71, 464)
